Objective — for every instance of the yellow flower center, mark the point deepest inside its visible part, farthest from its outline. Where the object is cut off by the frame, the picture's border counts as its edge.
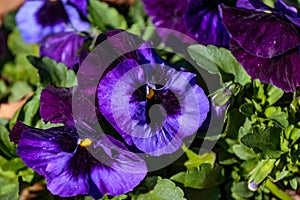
(85, 142)
(150, 93)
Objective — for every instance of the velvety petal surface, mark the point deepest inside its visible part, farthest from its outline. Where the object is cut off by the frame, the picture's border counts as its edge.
(268, 36)
(203, 20)
(283, 71)
(56, 105)
(63, 47)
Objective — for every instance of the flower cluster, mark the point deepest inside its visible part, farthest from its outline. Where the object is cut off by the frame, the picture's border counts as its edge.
(106, 98)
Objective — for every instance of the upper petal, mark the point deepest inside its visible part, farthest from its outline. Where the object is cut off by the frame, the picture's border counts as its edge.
(260, 34)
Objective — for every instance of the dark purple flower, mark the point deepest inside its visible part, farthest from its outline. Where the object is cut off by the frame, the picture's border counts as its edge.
(63, 47)
(203, 20)
(151, 103)
(38, 19)
(169, 15)
(266, 44)
(78, 166)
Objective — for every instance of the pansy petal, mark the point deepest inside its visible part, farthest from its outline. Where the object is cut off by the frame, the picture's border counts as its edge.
(56, 105)
(118, 166)
(106, 178)
(257, 5)
(269, 35)
(38, 148)
(282, 71)
(63, 47)
(167, 14)
(75, 19)
(81, 5)
(16, 132)
(66, 180)
(203, 20)
(290, 12)
(113, 47)
(26, 18)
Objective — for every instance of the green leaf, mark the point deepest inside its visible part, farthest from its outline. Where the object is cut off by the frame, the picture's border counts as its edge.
(281, 175)
(137, 14)
(277, 191)
(234, 122)
(14, 164)
(202, 177)
(105, 17)
(19, 90)
(262, 170)
(195, 160)
(267, 141)
(277, 115)
(27, 114)
(241, 189)
(163, 190)
(6, 146)
(274, 94)
(17, 45)
(243, 152)
(21, 70)
(121, 197)
(247, 109)
(52, 73)
(3, 89)
(226, 158)
(292, 134)
(294, 183)
(219, 60)
(9, 185)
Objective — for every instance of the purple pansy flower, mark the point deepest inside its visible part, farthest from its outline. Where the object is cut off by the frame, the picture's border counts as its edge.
(203, 20)
(93, 164)
(63, 47)
(38, 19)
(70, 166)
(152, 104)
(266, 44)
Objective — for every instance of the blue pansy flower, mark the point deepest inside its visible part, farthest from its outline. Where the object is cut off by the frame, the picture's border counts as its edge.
(38, 19)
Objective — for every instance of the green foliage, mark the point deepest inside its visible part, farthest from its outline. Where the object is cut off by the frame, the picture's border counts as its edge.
(52, 73)
(200, 177)
(163, 190)
(105, 17)
(219, 61)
